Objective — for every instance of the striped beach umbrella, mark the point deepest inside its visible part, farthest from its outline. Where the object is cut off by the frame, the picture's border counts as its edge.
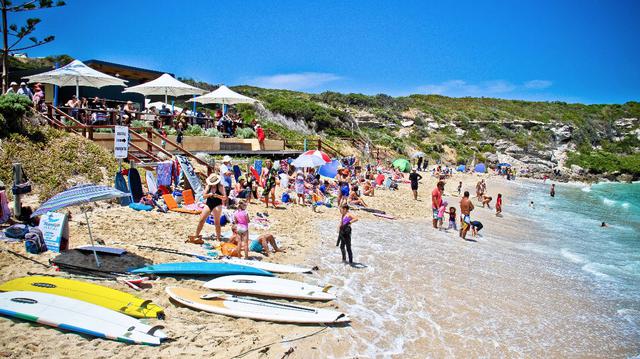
(312, 158)
(80, 194)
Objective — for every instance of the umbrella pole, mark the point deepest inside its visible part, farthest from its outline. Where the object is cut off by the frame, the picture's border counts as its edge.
(77, 89)
(91, 237)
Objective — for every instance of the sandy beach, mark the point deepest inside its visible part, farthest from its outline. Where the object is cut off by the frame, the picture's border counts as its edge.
(309, 238)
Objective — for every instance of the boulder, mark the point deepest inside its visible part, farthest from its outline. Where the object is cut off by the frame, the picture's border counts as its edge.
(491, 158)
(502, 145)
(577, 170)
(626, 123)
(562, 134)
(514, 150)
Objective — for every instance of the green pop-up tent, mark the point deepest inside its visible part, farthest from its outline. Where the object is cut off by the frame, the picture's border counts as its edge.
(402, 164)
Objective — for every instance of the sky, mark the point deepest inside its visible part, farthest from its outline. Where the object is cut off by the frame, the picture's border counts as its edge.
(542, 50)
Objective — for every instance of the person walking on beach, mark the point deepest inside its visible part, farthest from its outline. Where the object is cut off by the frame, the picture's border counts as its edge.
(459, 187)
(269, 177)
(344, 233)
(436, 201)
(215, 195)
(414, 178)
(552, 193)
(499, 205)
(465, 214)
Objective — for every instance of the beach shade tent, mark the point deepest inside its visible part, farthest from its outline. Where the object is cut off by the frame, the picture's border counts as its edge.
(224, 96)
(77, 195)
(480, 168)
(312, 158)
(504, 164)
(76, 74)
(462, 168)
(418, 154)
(329, 170)
(402, 164)
(165, 85)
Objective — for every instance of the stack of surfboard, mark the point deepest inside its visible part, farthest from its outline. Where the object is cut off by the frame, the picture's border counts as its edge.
(81, 307)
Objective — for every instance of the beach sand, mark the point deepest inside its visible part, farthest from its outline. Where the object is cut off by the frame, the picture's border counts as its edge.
(196, 333)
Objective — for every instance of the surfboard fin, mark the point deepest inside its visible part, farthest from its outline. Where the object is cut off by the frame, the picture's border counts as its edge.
(211, 296)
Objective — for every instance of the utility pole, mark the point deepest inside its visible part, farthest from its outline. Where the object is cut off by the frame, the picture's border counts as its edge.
(5, 48)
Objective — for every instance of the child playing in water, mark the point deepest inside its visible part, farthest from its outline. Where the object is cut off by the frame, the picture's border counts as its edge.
(499, 204)
(441, 210)
(452, 219)
(242, 222)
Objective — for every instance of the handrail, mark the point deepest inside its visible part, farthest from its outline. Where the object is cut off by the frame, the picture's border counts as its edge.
(60, 112)
(149, 154)
(189, 154)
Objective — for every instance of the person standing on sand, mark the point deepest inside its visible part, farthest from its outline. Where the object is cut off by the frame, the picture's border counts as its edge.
(414, 178)
(499, 204)
(479, 190)
(420, 159)
(436, 201)
(215, 196)
(465, 214)
(552, 193)
(459, 187)
(344, 233)
(269, 178)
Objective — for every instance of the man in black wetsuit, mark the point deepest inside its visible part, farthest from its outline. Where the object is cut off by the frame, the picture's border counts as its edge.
(414, 178)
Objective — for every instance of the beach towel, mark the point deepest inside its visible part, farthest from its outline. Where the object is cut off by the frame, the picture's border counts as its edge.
(135, 184)
(173, 205)
(121, 184)
(4, 203)
(140, 207)
(164, 174)
(152, 185)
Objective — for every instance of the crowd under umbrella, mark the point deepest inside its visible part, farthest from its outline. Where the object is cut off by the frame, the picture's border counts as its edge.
(312, 158)
(165, 85)
(77, 74)
(223, 96)
(78, 195)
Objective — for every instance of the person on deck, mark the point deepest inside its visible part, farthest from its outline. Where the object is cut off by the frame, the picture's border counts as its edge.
(436, 201)
(13, 88)
(128, 113)
(25, 91)
(261, 136)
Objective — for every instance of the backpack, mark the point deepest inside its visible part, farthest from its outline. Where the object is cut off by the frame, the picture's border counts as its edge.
(34, 241)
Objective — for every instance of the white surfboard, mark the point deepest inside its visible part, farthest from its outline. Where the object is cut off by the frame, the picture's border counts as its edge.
(269, 287)
(268, 266)
(253, 308)
(78, 316)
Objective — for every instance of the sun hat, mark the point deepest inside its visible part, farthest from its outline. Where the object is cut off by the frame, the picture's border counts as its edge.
(13, 83)
(226, 158)
(213, 179)
(23, 83)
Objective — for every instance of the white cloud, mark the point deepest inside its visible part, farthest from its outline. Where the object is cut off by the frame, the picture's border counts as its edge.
(538, 84)
(461, 88)
(294, 81)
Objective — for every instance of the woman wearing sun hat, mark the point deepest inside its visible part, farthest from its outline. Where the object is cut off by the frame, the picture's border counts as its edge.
(215, 195)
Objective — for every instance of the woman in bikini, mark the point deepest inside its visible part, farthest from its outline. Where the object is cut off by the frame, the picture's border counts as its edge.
(215, 195)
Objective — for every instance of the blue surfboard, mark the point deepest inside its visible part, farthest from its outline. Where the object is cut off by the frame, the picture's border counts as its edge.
(200, 268)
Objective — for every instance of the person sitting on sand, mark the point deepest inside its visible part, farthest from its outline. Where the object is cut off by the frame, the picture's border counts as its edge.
(465, 214)
(486, 200)
(262, 243)
(344, 233)
(368, 189)
(452, 219)
(354, 199)
(241, 219)
(499, 204)
(215, 196)
(476, 226)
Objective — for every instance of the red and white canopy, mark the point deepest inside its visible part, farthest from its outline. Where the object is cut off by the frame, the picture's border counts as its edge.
(313, 158)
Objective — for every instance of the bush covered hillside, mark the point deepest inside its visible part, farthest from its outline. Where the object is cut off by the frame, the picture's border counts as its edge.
(599, 140)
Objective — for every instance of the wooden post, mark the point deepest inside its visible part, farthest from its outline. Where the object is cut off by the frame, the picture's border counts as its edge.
(319, 144)
(150, 138)
(91, 133)
(17, 179)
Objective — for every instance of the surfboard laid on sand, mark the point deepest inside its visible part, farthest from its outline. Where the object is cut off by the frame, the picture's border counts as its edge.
(78, 316)
(253, 308)
(384, 215)
(270, 287)
(122, 302)
(268, 266)
(200, 268)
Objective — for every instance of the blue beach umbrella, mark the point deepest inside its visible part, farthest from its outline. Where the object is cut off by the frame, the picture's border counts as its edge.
(504, 164)
(77, 195)
(480, 168)
(330, 169)
(462, 168)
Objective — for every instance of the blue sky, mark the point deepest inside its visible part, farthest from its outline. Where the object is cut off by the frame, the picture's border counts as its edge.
(574, 51)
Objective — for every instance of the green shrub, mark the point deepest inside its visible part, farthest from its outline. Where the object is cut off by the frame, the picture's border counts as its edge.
(13, 108)
(212, 132)
(169, 130)
(139, 123)
(194, 130)
(245, 133)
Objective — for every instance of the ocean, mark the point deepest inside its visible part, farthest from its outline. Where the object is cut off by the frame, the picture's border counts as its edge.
(543, 281)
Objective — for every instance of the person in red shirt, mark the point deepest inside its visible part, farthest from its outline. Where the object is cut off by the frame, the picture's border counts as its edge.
(499, 205)
(261, 136)
(436, 201)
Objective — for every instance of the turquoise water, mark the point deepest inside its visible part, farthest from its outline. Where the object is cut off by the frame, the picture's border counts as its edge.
(571, 223)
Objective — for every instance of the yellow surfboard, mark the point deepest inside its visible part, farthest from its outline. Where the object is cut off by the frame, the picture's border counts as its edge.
(92, 293)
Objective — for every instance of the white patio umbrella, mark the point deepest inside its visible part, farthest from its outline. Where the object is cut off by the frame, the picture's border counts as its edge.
(225, 96)
(165, 85)
(76, 74)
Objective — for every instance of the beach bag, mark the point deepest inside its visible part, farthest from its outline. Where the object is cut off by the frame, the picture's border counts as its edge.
(34, 241)
(22, 188)
(17, 231)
